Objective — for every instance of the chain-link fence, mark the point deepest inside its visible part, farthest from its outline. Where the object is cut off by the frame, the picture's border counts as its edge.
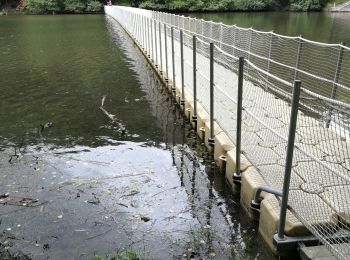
(201, 61)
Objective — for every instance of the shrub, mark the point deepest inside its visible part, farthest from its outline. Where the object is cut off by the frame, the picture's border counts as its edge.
(93, 6)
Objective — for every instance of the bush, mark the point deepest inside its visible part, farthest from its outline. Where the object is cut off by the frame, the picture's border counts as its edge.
(74, 6)
(306, 5)
(254, 5)
(93, 6)
(36, 6)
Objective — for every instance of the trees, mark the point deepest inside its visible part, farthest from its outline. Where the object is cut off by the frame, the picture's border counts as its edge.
(62, 6)
(81, 6)
(307, 5)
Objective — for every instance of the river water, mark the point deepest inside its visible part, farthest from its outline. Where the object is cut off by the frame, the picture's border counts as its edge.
(95, 159)
(324, 27)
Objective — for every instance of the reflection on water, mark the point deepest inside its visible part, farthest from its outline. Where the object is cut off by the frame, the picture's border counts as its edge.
(122, 173)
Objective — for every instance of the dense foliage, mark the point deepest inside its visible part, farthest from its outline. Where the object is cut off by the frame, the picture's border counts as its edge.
(80, 6)
(228, 5)
(62, 6)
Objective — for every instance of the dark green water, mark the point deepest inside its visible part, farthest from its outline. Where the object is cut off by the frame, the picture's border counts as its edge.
(92, 184)
(57, 69)
(324, 26)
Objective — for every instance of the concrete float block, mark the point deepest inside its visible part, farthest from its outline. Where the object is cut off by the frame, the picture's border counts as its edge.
(251, 180)
(231, 166)
(274, 176)
(249, 138)
(202, 118)
(223, 144)
(338, 197)
(259, 155)
(309, 206)
(313, 172)
(217, 130)
(269, 220)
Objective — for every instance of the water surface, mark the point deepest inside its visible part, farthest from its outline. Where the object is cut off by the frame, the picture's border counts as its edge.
(317, 26)
(128, 176)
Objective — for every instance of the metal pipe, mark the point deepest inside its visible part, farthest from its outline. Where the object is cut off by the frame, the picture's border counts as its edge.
(166, 50)
(211, 137)
(336, 79)
(155, 42)
(270, 52)
(289, 158)
(237, 174)
(160, 47)
(182, 102)
(234, 40)
(148, 38)
(173, 60)
(255, 204)
(300, 46)
(338, 70)
(194, 117)
(152, 54)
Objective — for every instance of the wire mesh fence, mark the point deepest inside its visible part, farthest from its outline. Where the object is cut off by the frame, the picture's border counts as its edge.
(320, 181)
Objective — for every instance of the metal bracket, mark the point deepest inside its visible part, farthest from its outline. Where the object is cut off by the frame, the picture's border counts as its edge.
(255, 203)
(291, 243)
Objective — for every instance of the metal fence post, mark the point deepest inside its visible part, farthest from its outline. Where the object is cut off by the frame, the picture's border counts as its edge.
(335, 80)
(269, 57)
(166, 50)
(151, 25)
(211, 139)
(338, 69)
(142, 32)
(289, 158)
(234, 40)
(220, 37)
(300, 46)
(250, 42)
(194, 117)
(173, 60)
(182, 101)
(160, 47)
(148, 37)
(155, 42)
(237, 174)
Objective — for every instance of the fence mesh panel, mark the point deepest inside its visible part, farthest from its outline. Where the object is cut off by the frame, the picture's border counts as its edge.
(319, 195)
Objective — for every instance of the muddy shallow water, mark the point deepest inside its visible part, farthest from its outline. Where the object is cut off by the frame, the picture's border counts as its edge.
(118, 169)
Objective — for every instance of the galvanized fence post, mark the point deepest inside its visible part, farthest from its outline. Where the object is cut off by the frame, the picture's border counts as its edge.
(151, 25)
(194, 117)
(148, 37)
(300, 46)
(166, 50)
(160, 48)
(155, 42)
(144, 33)
(250, 43)
(182, 101)
(237, 174)
(336, 79)
(173, 60)
(269, 57)
(234, 40)
(211, 139)
(338, 69)
(289, 158)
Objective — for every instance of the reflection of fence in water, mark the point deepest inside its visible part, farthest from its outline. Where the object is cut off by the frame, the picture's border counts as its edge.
(320, 185)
